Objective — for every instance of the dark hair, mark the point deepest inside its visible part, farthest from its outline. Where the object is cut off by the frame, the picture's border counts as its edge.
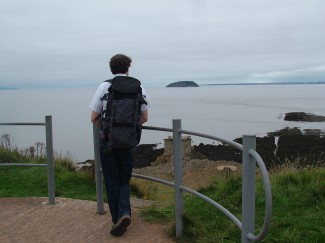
(120, 63)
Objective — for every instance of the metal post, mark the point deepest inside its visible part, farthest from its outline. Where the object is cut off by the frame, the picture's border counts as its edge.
(178, 176)
(50, 161)
(248, 189)
(98, 168)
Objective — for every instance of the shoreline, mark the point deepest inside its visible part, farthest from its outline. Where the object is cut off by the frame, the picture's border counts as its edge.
(275, 148)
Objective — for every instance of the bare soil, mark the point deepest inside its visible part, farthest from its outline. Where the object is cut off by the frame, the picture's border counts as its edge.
(198, 173)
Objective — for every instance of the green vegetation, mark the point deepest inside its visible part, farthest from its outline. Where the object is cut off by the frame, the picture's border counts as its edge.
(149, 190)
(17, 181)
(298, 209)
(298, 198)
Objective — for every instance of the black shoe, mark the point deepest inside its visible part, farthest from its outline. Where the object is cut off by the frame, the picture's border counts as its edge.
(120, 227)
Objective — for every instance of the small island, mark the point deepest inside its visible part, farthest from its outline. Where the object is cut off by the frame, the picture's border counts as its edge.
(183, 84)
(303, 117)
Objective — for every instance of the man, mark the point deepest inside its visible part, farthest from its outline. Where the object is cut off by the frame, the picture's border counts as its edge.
(117, 165)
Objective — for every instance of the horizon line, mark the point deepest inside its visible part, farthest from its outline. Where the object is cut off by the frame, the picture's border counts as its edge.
(162, 85)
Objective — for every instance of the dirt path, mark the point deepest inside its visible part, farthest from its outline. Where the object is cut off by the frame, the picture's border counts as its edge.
(31, 220)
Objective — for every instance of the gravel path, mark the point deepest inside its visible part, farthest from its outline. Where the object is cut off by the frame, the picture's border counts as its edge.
(31, 220)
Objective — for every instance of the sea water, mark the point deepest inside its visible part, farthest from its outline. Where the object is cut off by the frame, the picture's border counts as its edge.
(224, 111)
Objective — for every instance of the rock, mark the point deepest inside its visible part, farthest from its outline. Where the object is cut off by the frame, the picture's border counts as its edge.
(145, 154)
(305, 150)
(291, 145)
(265, 147)
(309, 149)
(88, 166)
(286, 131)
(162, 159)
(218, 152)
(317, 132)
(303, 117)
(183, 84)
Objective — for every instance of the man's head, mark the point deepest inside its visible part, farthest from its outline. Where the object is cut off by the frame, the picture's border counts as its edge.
(120, 64)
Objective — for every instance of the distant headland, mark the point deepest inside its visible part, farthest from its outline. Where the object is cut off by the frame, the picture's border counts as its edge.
(183, 84)
(7, 88)
(267, 83)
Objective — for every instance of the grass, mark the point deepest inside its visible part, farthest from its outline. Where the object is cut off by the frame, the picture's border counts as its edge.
(298, 199)
(298, 209)
(149, 190)
(32, 181)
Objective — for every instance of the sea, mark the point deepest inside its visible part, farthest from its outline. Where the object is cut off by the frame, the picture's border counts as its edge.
(224, 111)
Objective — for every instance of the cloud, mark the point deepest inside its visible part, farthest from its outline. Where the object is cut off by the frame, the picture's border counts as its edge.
(213, 40)
(312, 74)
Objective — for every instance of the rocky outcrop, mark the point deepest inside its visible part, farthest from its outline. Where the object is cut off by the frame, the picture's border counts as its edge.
(183, 84)
(303, 117)
(264, 146)
(308, 149)
(277, 148)
(145, 154)
(292, 145)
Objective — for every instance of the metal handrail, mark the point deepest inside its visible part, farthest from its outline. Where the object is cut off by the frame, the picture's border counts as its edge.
(163, 129)
(49, 153)
(25, 164)
(232, 217)
(266, 180)
(268, 197)
(23, 124)
(250, 158)
(149, 178)
(195, 193)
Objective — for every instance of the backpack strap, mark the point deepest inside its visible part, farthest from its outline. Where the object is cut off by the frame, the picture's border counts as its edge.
(108, 80)
(123, 93)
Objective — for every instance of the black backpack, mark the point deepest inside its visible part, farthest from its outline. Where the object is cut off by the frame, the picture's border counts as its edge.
(121, 117)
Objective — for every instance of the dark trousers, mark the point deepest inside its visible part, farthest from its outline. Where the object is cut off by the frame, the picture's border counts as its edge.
(117, 171)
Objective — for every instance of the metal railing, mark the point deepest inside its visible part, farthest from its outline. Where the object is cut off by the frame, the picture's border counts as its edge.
(49, 153)
(249, 159)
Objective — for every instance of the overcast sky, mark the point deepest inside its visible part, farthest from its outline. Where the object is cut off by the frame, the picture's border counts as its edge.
(69, 42)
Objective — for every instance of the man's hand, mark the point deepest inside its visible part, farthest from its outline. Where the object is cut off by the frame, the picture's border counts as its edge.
(94, 118)
(144, 117)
